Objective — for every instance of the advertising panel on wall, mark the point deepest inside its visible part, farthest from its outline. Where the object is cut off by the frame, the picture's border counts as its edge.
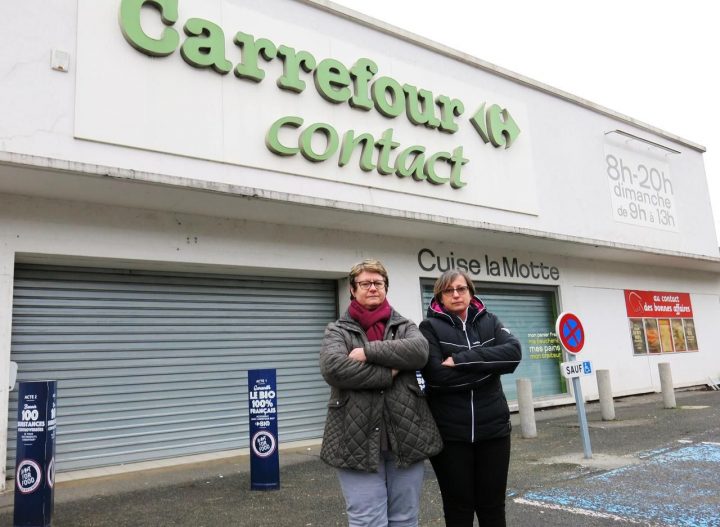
(660, 322)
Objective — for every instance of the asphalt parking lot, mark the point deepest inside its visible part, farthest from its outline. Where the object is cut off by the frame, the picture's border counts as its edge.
(651, 466)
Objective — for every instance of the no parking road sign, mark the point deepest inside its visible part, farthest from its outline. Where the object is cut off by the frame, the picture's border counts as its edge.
(570, 331)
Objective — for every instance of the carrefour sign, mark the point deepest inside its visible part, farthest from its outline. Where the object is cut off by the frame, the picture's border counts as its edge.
(359, 85)
(256, 78)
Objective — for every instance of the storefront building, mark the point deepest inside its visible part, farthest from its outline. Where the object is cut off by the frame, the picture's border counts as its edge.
(185, 183)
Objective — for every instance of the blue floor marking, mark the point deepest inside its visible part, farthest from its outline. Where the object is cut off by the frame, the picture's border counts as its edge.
(678, 487)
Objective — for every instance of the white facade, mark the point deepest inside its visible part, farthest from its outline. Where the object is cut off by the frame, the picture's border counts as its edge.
(138, 162)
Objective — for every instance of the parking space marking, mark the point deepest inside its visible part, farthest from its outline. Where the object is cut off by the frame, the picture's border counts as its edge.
(585, 512)
(677, 487)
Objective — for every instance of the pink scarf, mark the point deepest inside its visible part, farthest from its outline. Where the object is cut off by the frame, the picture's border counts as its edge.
(373, 322)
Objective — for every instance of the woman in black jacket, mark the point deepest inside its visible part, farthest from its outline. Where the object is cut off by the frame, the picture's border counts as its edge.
(469, 350)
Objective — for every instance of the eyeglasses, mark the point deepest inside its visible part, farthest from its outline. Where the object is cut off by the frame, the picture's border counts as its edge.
(452, 290)
(378, 284)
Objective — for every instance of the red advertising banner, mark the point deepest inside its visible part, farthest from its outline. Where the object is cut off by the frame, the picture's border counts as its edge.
(652, 304)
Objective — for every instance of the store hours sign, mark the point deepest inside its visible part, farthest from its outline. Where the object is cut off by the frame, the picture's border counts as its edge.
(641, 189)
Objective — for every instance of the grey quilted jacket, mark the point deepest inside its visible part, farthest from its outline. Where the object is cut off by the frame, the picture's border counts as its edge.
(364, 395)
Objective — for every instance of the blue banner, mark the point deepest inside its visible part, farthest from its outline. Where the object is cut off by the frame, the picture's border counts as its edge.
(35, 459)
(262, 412)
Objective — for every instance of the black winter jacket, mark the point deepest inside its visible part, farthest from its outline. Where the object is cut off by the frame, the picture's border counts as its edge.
(467, 400)
(364, 396)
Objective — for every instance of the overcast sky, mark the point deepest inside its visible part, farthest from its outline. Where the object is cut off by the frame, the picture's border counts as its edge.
(653, 60)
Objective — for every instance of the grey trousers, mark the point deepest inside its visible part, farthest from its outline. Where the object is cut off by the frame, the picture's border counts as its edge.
(389, 497)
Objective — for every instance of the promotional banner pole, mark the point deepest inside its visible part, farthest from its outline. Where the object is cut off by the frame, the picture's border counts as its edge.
(262, 412)
(35, 455)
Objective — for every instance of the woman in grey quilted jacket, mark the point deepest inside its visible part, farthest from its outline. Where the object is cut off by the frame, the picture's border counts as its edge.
(379, 429)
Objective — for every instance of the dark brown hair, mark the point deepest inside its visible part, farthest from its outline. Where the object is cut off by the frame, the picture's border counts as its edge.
(447, 278)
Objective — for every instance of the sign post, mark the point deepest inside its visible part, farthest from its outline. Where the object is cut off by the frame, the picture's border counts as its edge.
(262, 412)
(571, 333)
(35, 459)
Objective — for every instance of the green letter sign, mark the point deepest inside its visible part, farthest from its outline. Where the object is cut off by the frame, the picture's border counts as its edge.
(133, 31)
(357, 86)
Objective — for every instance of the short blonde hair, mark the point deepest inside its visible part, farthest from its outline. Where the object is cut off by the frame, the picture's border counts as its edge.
(447, 278)
(371, 266)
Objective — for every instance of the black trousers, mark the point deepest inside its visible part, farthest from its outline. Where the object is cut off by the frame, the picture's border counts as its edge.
(473, 481)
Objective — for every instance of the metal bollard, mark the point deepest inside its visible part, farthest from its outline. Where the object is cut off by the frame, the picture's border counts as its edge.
(607, 405)
(666, 385)
(526, 408)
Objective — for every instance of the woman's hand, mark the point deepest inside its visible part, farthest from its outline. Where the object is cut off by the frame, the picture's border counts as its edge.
(449, 362)
(358, 354)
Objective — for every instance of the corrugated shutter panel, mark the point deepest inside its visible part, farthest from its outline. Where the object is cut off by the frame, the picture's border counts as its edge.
(153, 365)
(524, 312)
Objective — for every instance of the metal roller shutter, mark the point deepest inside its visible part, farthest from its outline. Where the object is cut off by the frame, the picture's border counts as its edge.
(524, 312)
(154, 364)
